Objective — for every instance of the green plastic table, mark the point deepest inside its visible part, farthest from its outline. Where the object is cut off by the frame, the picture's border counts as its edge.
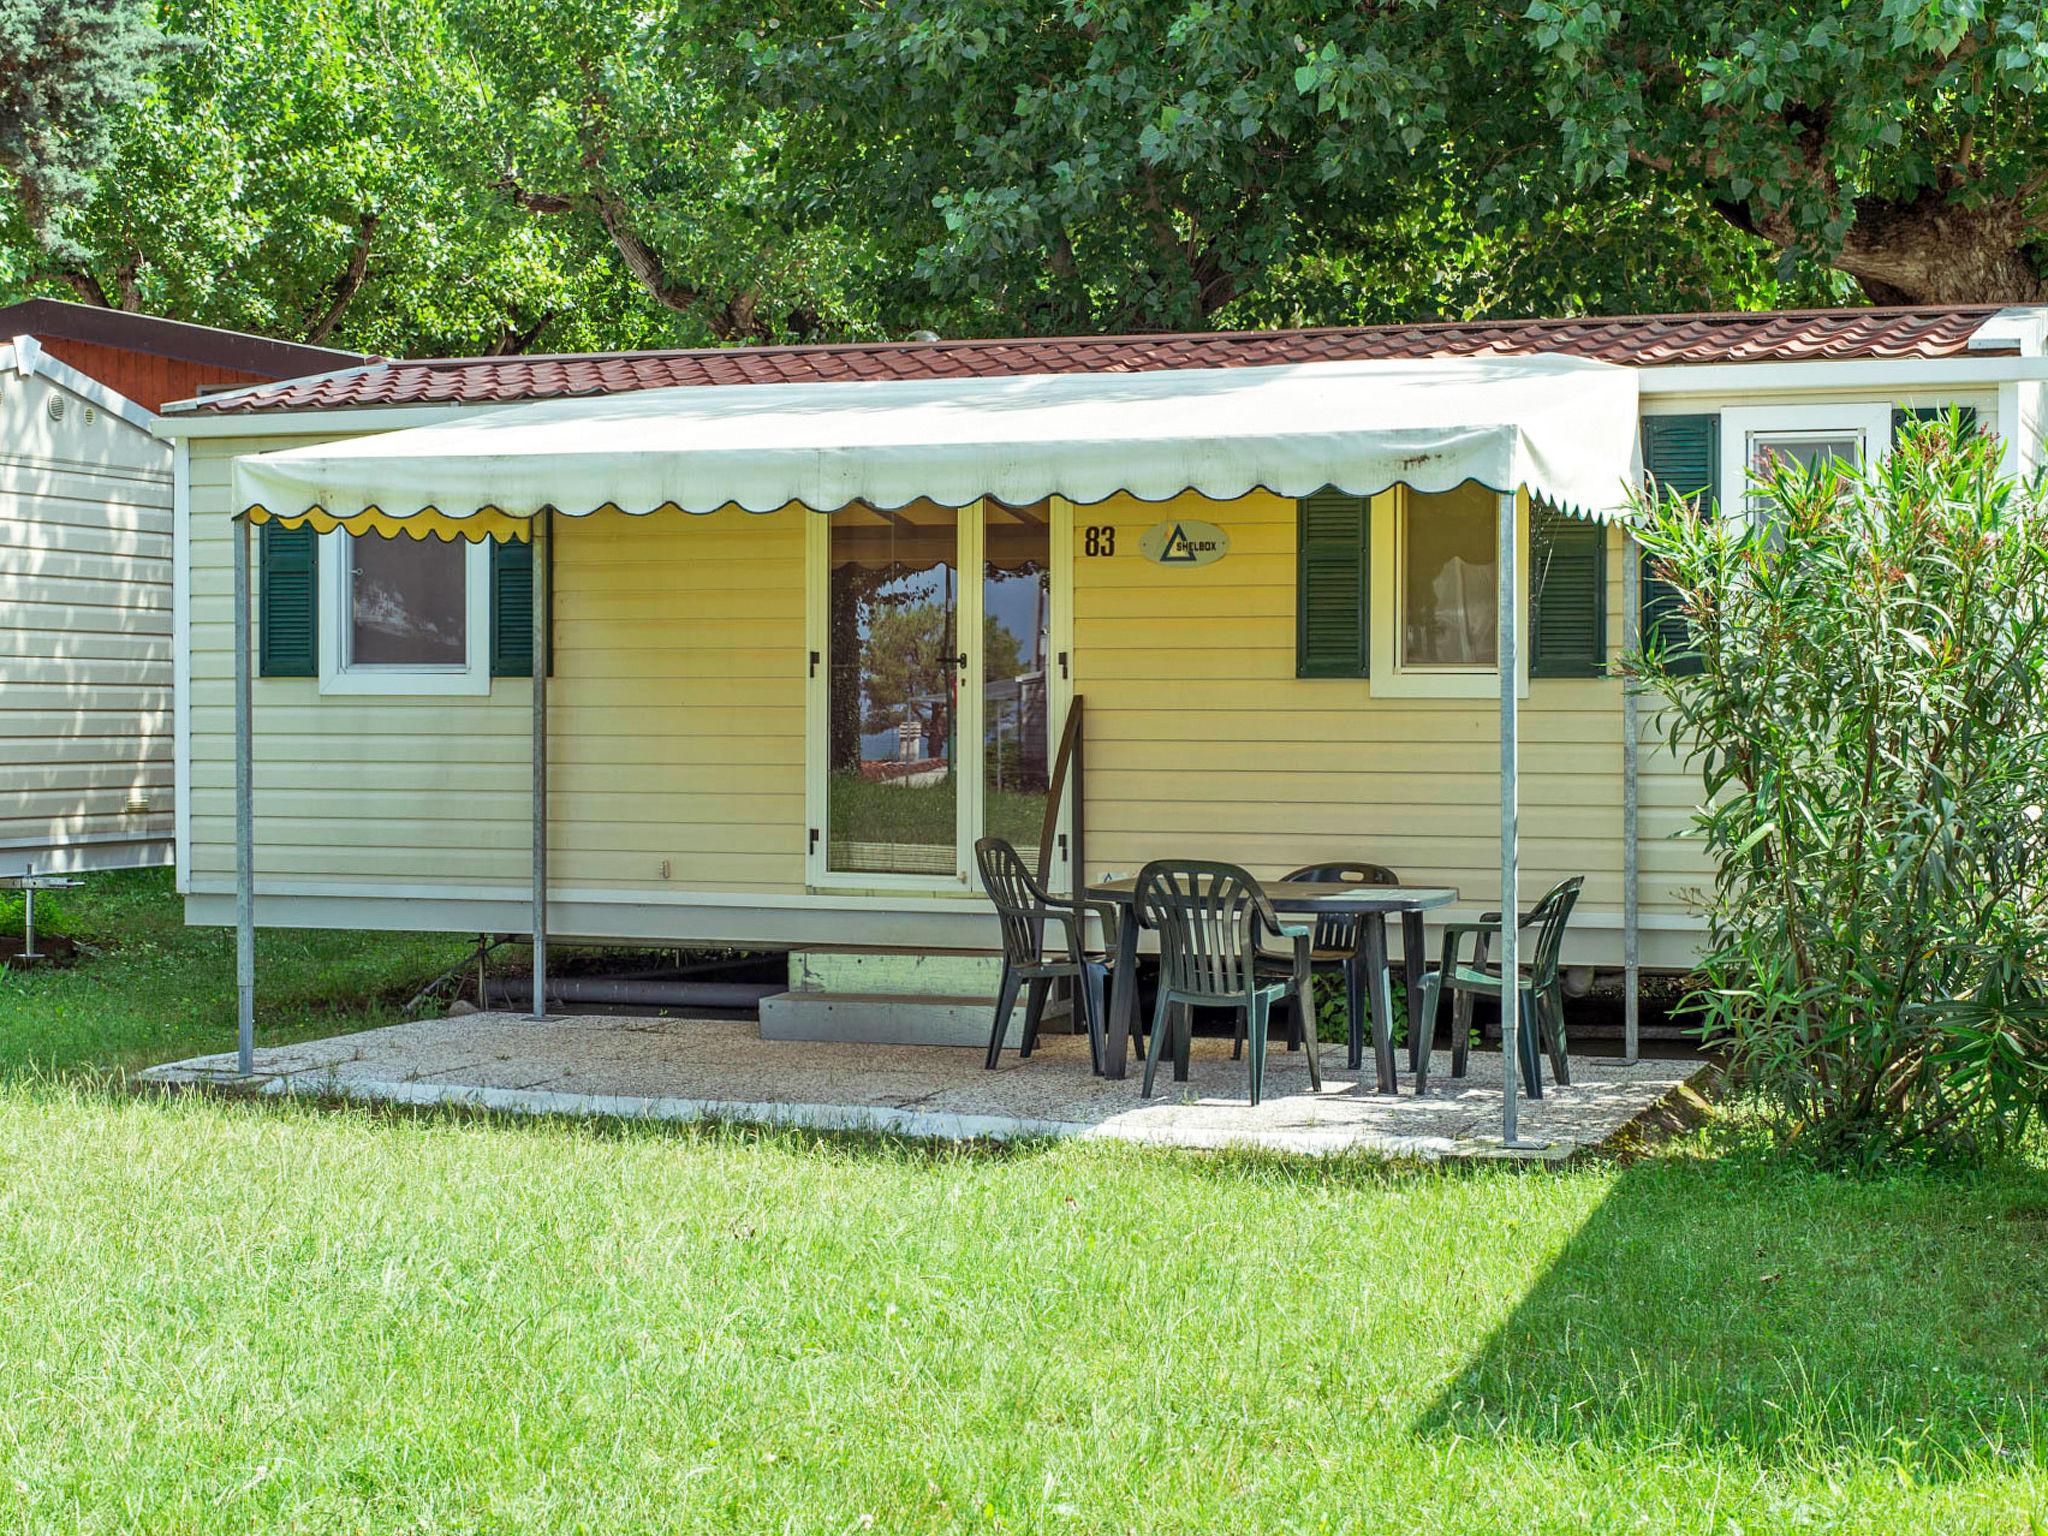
(1374, 903)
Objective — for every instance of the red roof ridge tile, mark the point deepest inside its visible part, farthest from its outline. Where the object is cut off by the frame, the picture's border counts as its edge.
(1727, 336)
(1158, 338)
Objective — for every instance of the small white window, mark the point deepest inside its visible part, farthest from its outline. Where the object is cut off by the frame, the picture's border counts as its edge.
(1435, 611)
(1754, 438)
(403, 616)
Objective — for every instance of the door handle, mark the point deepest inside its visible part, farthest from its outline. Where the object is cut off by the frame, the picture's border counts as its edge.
(960, 661)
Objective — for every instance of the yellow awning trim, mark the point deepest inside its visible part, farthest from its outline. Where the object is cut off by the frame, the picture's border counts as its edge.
(473, 528)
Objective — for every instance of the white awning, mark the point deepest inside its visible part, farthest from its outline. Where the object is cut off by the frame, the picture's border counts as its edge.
(1562, 428)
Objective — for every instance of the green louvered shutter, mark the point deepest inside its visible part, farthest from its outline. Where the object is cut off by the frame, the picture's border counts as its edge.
(288, 602)
(1332, 580)
(512, 610)
(1905, 413)
(1568, 611)
(1683, 455)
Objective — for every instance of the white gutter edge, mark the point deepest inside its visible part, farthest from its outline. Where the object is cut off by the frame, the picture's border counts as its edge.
(350, 372)
(363, 418)
(1856, 373)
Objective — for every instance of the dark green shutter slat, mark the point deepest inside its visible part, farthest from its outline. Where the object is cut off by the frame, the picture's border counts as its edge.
(288, 602)
(512, 610)
(1332, 579)
(1568, 611)
(1682, 454)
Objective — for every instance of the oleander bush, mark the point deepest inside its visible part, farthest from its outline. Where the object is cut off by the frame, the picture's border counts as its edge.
(1861, 678)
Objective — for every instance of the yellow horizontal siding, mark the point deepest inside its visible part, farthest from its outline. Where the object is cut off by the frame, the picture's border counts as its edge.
(676, 724)
(1202, 740)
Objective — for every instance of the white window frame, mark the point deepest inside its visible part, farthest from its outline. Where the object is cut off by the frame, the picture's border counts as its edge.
(1869, 420)
(1391, 677)
(471, 679)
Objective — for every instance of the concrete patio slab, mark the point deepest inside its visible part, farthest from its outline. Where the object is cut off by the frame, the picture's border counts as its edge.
(697, 1069)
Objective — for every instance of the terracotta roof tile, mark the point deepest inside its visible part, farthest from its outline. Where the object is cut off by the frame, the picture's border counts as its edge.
(1640, 340)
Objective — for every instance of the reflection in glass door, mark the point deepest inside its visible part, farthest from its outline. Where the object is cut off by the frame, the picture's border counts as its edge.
(1016, 628)
(935, 717)
(892, 691)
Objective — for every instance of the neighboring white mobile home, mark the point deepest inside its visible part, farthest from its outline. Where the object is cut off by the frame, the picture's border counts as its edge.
(86, 663)
(733, 754)
(86, 778)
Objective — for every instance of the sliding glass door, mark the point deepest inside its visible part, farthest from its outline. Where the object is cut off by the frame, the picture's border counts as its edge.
(933, 698)
(1016, 672)
(893, 692)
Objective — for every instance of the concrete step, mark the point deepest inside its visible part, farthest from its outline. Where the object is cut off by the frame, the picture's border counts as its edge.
(881, 1018)
(896, 973)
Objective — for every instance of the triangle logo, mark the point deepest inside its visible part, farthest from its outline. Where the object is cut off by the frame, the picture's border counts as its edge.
(1178, 551)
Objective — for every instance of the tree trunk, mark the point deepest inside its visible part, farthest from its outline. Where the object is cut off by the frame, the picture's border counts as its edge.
(1931, 251)
(348, 284)
(1927, 251)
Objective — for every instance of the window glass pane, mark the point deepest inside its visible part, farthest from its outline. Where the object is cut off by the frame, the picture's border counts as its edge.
(1016, 595)
(1449, 612)
(407, 602)
(891, 690)
(1808, 450)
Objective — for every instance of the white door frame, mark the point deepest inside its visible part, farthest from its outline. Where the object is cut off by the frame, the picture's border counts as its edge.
(969, 721)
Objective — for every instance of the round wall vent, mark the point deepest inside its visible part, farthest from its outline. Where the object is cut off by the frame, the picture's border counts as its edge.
(56, 407)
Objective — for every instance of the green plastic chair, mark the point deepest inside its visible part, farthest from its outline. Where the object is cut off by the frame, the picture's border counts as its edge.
(1210, 918)
(1030, 963)
(1539, 993)
(1334, 946)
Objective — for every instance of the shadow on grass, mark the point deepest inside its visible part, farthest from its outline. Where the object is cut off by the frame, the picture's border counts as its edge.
(1792, 1316)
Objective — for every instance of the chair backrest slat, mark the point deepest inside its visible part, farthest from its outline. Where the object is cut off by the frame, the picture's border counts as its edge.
(1208, 917)
(1016, 896)
(1549, 917)
(1339, 930)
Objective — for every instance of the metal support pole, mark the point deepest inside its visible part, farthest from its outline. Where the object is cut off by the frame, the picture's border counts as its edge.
(1510, 630)
(245, 816)
(28, 912)
(1631, 786)
(539, 531)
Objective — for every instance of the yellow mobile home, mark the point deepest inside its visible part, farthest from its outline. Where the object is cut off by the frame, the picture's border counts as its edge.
(767, 727)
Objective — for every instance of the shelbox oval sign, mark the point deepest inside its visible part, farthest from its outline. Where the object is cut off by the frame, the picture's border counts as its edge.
(1184, 541)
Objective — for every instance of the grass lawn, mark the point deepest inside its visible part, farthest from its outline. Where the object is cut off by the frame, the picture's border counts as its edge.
(237, 1317)
(161, 990)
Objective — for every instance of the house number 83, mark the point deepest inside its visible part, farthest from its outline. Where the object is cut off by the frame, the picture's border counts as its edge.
(1098, 540)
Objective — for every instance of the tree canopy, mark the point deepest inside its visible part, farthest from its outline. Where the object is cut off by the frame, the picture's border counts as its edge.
(474, 175)
(66, 69)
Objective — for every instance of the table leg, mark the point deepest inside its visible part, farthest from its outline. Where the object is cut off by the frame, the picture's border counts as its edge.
(1381, 985)
(1413, 940)
(1123, 1006)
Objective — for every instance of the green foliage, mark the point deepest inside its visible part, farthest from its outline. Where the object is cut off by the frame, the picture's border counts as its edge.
(500, 175)
(632, 125)
(1901, 142)
(66, 68)
(1333, 1015)
(293, 173)
(1870, 718)
(1122, 166)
